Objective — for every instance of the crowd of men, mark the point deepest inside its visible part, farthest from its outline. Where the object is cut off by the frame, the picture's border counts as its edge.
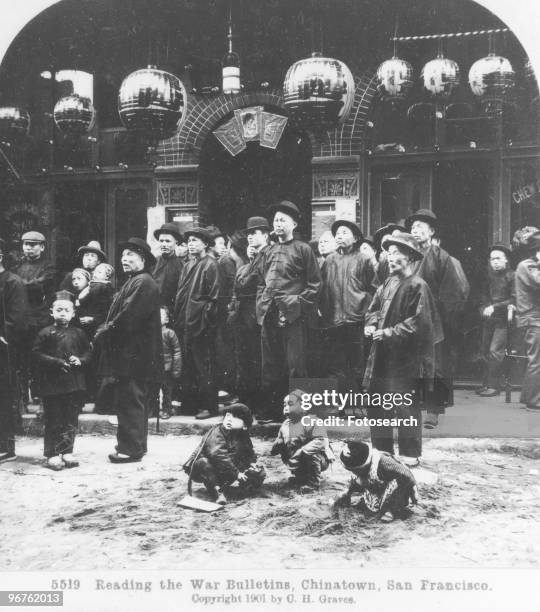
(251, 312)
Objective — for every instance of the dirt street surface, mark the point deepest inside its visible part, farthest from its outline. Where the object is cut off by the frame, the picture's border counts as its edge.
(483, 511)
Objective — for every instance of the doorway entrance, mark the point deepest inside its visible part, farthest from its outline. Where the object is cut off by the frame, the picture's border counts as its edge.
(235, 188)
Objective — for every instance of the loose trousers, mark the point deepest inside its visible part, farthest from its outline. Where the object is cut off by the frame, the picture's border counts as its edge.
(61, 420)
(530, 388)
(7, 416)
(132, 407)
(200, 388)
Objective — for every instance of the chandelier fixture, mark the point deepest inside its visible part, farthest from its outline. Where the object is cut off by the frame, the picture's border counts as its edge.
(231, 65)
(492, 77)
(14, 124)
(152, 101)
(319, 91)
(74, 115)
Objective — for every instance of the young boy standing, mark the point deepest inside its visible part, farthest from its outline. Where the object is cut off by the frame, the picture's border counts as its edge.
(226, 456)
(60, 351)
(304, 448)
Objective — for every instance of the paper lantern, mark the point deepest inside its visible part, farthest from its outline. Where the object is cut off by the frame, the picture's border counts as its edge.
(74, 115)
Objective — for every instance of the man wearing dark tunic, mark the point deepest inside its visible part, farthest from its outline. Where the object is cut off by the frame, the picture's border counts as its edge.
(286, 306)
(195, 321)
(348, 286)
(403, 323)
(39, 278)
(378, 237)
(527, 280)
(450, 290)
(243, 315)
(168, 265)
(13, 307)
(131, 347)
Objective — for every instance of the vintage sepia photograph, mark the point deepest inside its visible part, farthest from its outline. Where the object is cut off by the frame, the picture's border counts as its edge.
(270, 304)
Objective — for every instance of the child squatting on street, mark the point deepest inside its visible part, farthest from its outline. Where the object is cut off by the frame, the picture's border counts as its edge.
(385, 484)
(60, 352)
(225, 457)
(303, 448)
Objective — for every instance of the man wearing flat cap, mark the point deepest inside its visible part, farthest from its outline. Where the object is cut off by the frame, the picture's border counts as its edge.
(131, 349)
(195, 322)
(286, 306)
(39, 277)
(348, 285)
(403, 323)
(168, 265)
(13, 307)
(450, 290)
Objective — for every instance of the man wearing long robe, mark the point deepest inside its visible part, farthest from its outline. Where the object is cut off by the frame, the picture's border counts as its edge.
(131, 349)
(168, 266)
(403, 322)
(286, 307)
(13, 306)
(450, 289)
(195, 321)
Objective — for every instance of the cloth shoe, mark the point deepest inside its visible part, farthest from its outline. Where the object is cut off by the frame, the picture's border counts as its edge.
(409, 461)
(55, 463)
(70, 461)
(121, 458)
(489, 392)
(7, 456)
(387, 517)
(203, 414)
(221, 499)
(431, 421)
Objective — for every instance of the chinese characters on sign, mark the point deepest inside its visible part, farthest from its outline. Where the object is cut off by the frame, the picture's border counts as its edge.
(248, 125)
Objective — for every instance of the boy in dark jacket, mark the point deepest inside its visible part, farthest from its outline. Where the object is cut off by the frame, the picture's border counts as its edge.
(303, 447)
(226, 456)
(172, 365)
(385, 484)
(60, 351)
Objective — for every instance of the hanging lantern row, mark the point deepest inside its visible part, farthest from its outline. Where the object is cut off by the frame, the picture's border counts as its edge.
(490, 77)
(14, 124)
(74, 115)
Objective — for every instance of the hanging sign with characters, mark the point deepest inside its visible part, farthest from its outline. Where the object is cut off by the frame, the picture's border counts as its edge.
(251, 124)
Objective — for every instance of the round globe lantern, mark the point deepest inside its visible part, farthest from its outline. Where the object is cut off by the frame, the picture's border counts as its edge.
(492, 77)
(152, 101)
(319, 91)
(14, 123)
(440, 77)
(74, 115)
(394, 79)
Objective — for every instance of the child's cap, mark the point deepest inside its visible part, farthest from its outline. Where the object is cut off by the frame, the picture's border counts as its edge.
(107, 270)
(64, 295)
(359, 454)
(82, 272)
(241, 411)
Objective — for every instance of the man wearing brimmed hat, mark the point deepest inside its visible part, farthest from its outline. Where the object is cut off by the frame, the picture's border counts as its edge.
(39, 277)
(131, 349)
(348, 285)
(168, 265)
(89, 257)
(528, 318)
(403, 323)
(286, 306)
(450, 290)
(243, 314)
(378, 237)
(13, 307)
(498, 292)
(195, 323)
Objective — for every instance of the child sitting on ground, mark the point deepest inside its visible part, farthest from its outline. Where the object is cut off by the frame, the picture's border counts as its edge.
(226, 456)
(60, 352)
(94, 301)
(304, 448)
(384, 483)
